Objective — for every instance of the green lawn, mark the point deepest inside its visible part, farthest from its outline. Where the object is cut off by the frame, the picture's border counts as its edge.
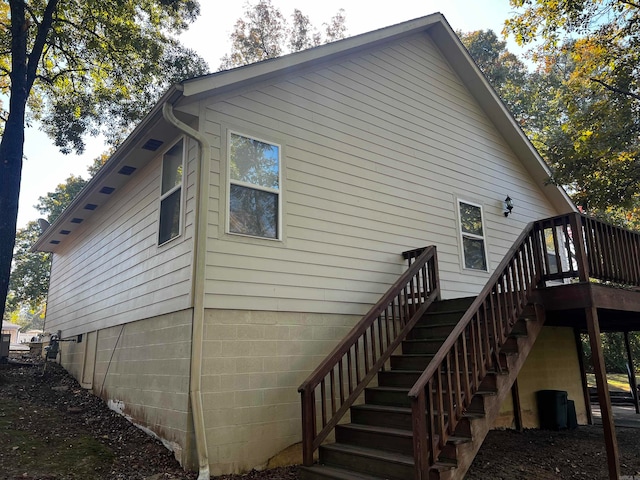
(618, 382)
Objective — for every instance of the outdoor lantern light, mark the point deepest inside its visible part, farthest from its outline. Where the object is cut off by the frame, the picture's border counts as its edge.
(508, 206)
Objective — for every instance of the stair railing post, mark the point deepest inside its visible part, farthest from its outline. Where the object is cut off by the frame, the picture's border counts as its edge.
(420, 449)
(538, 251)
(435, 273)
(580, 250)
(308, 426)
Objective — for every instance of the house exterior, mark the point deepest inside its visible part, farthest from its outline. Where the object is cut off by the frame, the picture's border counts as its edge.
(256, 214)
(11, 329)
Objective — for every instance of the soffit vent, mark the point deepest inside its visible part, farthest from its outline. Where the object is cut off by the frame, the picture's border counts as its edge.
(152, 144)
(127, 170)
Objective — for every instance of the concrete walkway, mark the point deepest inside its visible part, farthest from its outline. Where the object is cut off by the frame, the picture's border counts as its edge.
(623, 415)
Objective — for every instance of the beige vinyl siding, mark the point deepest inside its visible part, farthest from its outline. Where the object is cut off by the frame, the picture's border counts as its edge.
(376, 150)
(112, 271)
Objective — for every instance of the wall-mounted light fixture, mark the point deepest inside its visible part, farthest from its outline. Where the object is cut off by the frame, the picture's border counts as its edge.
(508, 206)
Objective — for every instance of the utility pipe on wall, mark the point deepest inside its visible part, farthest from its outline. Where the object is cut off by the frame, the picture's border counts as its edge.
(197, 286)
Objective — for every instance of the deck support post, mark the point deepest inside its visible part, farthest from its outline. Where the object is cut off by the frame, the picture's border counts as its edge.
(583, 376)
(597, 357)
(517, 409)
(632, 373)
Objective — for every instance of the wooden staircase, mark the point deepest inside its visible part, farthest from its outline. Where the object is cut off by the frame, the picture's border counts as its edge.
(444, 368)
(378, 442)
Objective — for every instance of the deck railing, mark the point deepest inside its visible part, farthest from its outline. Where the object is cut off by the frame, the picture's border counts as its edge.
(557, 249)
(340, 379)
(583, 247)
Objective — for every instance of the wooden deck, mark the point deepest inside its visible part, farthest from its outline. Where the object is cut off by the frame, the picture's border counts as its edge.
(618, 308)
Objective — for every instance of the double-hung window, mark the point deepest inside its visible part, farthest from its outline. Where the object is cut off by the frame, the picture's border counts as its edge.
(472, 235)
(171, 193)
(254, 187)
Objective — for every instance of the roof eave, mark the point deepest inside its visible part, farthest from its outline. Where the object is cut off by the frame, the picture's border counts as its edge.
(155, 114)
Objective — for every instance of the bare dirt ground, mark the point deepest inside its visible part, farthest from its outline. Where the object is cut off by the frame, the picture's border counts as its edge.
(51, 429)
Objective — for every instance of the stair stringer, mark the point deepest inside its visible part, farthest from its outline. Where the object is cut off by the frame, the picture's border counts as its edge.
(480, 426)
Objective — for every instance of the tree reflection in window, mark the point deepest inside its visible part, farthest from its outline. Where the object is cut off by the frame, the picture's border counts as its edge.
(254, 175)
(472, 232)
(171, 193)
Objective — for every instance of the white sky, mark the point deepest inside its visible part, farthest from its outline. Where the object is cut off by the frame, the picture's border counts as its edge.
(45, 167)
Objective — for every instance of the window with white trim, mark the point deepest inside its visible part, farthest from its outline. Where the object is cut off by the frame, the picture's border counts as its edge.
(254, 187)
(472, 236)
(171, 193)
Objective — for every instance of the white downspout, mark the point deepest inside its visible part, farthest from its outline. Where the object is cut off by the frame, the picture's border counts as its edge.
(197, 286)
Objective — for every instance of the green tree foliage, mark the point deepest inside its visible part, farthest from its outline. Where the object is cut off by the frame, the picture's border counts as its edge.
(53, 203)
(29, 280)
(30, 273)
(528, 95)
(79, 66)
(263, 32)
(505, 72)
(614, 351)
(591, 51)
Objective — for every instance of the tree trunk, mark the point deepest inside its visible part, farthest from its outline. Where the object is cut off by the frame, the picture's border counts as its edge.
(11, 151)
(12, 146)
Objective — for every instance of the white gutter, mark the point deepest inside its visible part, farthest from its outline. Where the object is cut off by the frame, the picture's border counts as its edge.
(197, 287)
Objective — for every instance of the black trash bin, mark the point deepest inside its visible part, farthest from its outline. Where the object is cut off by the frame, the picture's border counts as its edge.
(572, 418)
(552, 409)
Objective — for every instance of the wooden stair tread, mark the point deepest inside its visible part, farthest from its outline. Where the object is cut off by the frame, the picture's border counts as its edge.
(390, 389)
(473, 414)
(414, 355)
(446, 312)
(382, 408)
(481, 391)
(393, 457)
(395, 370)
(458, 439)
(395, 409)
(444, 464)
(486, 391)
(324, 471)
(396, 432)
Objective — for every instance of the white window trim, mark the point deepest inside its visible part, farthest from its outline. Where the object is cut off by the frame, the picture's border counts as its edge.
(462, 234)
(173, 189)
(278, 192)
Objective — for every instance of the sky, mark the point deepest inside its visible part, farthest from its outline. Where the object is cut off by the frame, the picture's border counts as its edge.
(45, 167)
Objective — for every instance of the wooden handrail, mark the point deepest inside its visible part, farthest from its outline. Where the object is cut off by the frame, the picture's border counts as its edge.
(571, 246)
(366, 349)
(445, 388)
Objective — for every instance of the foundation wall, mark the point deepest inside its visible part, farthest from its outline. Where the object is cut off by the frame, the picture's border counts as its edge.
(253, 364)
(551, 365)
(141, 369)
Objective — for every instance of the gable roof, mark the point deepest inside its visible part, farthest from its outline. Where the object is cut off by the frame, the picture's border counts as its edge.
(134, 152)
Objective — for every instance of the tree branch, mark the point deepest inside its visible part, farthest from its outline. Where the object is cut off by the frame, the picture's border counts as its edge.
(631, 4)
(41, 38)
(34, 17)
(615, 89)
(51, 79)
